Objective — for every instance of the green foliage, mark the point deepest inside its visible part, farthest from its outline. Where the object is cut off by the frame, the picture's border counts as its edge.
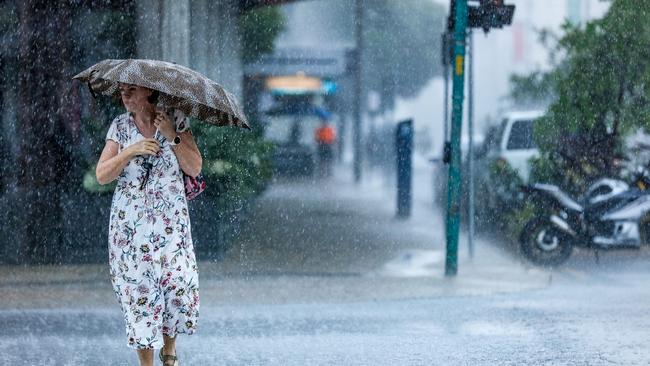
(541, 170)
(93, 132)
(260, 27)
(90, 183)
(505, 182)
(236, 163)
(538, 89)
(9, 30)
(600, 92)
(516, 219)
(117, 29)
(533, 90)
(114, 30)
(401, 46)
(509, 213)
(91, 144)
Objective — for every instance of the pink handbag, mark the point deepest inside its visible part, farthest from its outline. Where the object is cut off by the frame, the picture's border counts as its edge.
(193, 186)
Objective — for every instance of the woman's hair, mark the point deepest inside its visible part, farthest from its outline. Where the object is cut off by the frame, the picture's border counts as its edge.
(153, 98)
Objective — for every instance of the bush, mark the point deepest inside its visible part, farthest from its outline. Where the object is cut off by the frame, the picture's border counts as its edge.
(516, 219)
(501, 207)
(91, 185)
(236, 165)
(506, 184)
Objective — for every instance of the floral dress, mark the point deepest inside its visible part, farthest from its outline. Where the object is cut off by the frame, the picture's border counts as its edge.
(152, 264)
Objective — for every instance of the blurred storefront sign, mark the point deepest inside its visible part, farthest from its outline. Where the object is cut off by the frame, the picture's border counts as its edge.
(299, 84)
(296, 84)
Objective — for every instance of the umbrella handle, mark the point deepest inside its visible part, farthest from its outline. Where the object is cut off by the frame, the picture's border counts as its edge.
(148, 164)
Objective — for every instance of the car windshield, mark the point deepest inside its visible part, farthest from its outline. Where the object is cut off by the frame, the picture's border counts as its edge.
(521, 136)
(284, 129)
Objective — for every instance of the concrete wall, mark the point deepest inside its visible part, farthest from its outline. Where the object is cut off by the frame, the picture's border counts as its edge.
(200, 34)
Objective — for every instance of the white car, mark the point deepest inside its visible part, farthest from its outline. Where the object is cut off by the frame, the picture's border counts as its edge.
(512, 141)
(516, 144)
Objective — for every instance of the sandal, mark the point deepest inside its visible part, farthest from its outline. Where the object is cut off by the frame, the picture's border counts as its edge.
(167, 358)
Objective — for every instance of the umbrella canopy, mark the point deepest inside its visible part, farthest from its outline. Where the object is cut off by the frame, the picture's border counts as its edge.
(179, 87)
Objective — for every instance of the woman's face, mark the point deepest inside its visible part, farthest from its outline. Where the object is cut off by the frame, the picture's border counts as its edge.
(135, 97)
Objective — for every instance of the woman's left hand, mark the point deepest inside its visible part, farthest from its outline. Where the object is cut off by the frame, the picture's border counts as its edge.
(165, 125)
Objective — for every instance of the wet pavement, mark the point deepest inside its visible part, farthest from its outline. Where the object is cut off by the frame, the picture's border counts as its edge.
(324, 274)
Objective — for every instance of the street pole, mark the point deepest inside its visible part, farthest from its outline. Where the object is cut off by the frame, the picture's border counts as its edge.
(357, 103)
(454, 185)
(446, 47)
(470, 153)
(445, 70)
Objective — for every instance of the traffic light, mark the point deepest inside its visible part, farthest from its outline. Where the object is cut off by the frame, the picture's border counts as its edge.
(490, 14)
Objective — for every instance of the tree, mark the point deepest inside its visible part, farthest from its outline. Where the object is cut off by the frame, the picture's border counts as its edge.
(537, 89)
(600, 91)
(401, 46)
(259, 28)
(533, 90)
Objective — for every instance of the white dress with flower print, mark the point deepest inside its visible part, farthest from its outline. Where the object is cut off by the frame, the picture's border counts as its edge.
(152, 263)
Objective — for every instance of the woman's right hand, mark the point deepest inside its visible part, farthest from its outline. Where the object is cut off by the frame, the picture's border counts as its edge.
(149, 146)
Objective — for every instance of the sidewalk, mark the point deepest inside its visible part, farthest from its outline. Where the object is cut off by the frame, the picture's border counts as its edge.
(310, 242)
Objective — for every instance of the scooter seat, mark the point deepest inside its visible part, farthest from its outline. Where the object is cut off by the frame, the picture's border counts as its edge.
(563, 198)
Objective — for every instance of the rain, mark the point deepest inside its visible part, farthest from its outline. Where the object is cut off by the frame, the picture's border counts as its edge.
(324, 182)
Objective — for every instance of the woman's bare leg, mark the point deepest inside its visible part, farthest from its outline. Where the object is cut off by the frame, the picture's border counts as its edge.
(170, 346)
(146, 357)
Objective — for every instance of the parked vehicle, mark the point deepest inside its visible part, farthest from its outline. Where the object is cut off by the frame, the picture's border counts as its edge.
(514, 142)
(610, 215)
(501, 158)
(502, 164)
(291, 129)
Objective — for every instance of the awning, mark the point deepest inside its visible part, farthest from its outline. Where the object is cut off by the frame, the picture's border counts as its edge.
(245, 5)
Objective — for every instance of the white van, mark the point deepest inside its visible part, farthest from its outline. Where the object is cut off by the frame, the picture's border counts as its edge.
(517, 145)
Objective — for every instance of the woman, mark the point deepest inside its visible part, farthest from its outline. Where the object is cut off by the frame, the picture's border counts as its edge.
(152, 263)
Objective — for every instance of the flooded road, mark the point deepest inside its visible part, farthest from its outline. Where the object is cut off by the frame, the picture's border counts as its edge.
(323, 274)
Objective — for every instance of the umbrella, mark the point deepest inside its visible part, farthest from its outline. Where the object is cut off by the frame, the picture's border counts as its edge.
(179, 87)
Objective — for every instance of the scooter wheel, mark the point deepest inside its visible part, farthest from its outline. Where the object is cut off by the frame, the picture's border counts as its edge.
(544, 244)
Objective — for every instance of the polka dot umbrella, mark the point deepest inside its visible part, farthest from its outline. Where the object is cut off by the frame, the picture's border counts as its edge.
(180, 87)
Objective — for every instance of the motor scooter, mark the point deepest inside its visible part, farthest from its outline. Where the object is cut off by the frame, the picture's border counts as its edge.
(610, 215)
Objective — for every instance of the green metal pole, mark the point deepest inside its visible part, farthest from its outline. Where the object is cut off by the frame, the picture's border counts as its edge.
(454, 185)
(358, 93)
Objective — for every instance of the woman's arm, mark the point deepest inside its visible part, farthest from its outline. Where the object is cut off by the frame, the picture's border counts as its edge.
(188, 155)
(112, 162)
